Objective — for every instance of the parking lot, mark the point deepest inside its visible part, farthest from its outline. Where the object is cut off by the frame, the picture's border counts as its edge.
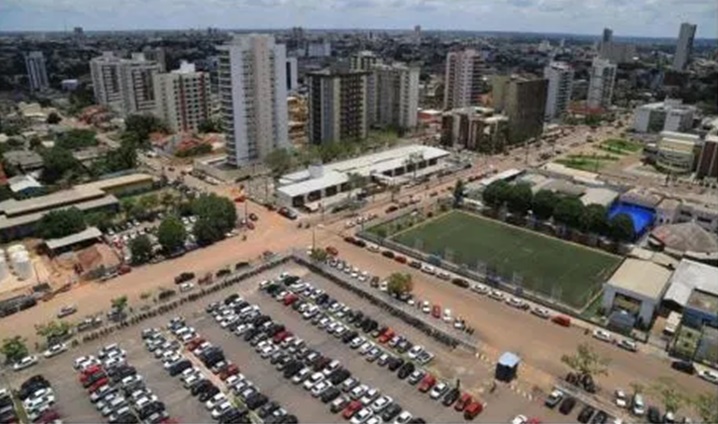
(474, 375)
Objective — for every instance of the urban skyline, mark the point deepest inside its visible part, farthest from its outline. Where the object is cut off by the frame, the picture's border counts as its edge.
(639, 18)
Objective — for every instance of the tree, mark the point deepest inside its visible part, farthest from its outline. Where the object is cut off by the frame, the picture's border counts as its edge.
(61, 223)
(544, 204)
(399, 283)
(216, 216)
(459, 190)
(14, 349)
(496, 193)
(356, 181)
(319, 255)
(621, 228)
(568, 212)
(210, 125)
(141, 249)
(279, 161)
(58, 163)
(148, 203)
(54, 330)
(76, 139)
(519, 198)
(101, 220)
(53, 118)
(670, 394)
(586, 361)
(594, 219)
(706, 405)
(142, 126)
(171, 234)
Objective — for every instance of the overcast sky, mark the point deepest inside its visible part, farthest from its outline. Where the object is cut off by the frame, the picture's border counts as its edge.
(660, 18)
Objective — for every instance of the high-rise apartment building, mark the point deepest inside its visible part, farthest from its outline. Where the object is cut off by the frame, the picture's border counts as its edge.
(474, 128)
(36, 71)
(393, 95)
(337, 105)
(607, 36)
(124, 85)
(182, 98)
(600, 86)
(292, 74)
(524, 102)
(560, 82)
(364, 60)
(156, 54)
(707, 166)
(462, 80)
(253, 97)
(684, 46)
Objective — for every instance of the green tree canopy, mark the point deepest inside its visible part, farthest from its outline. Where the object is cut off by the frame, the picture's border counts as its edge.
(496, 193)
(61, 223)
(216, 216)
(76, 139)
(459, 189)
(141, 249)
(569, 211)
(519, 198)
(544, 204)
(53, 118)
(319, 255)
(586, 361)
(621, 228)
(54, 330)
(210, 125)
(279, 161)
(399, 283)
(171, 234)
(14, 349)
(58, 163)
(143, 125)
(706, 405)
(594, 219)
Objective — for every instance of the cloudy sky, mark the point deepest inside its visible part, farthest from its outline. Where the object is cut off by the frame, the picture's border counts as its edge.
(627, 17)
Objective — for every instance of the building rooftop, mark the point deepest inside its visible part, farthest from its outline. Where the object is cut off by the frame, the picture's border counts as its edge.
(599, 196)
(84, 235)
(685, 237)
(12, 207)
(641, 277)
(703, 301)
(28, 218)
(23, 158)
(20, 183)
(561, 186)
(690, 275)
(557, 168)
(109, 183)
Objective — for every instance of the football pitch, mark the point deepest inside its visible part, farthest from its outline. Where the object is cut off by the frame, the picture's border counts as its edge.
(552, 267)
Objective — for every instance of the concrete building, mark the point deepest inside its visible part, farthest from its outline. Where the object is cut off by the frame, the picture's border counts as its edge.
(705, 214)
(684, 46)
(707, 166)
(617, 52)
(158, 55)
(183, 98)
(292, 74)
(393, 96)
(636, 288)
(668, 115)
(253, 97)
(676, 152)
(558, 95)
(607, 36)
(364, 60)
(474, 128)
(338, 109)
(463, 79)
(124, 85)
(690, 276)
(36, 71)
(321, 185)
(600, 86)
(524, 102)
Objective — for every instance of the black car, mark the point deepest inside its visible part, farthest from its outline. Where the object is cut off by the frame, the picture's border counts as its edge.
(451, 397)
(240, 265)
(32, 385)
(267, 409)
(395, 363)
(654, 415)
(330, 394)
(358, 316)
(183, 277)
(600, 418)
(406, 370)
(684, 366)
(585, 415)
(567, 405)
(256, 400)
(200, 386)
(391, 412)
(338, 376)
(415, 264)
(150, 409)
(208, 394)
(231, 298)
(289, 419)
(179, 367)
(292, 368)
(349, 336)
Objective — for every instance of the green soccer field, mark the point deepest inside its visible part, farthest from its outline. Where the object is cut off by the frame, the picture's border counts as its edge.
(546, 265)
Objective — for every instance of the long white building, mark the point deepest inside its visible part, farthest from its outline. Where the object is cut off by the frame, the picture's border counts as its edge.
(462, 80)
(600, 86)
(668, 115)
(36, 71)
(558, 96)
(253, 97)
(394, 97)
(124, 85)
(183, 98)
(684, 47)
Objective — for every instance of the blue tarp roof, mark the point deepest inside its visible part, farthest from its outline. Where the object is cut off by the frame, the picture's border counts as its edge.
(509, 359)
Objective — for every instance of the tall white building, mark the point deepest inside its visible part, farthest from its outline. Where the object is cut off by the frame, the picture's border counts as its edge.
(668, 115)
(462, 80)
(600, 86)
(684, 47)
(183, 98)
(364, 60)
(558, 96)
(394, 97)
(253, 97)
(124, 85)
(36, 71)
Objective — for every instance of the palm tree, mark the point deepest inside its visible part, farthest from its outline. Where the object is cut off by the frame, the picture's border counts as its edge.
(586, 361)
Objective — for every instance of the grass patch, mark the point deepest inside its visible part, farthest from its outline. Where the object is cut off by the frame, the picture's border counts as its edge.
(571, 273)
(621, 146)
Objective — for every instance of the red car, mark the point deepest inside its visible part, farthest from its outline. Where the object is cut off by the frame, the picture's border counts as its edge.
(427, 383)
(90, 370)
(250, 225)
(400, 259)
(473, 410)
(239, 199)
(351, 409)
(48, 416)
(228, 371)
(279, 337)
(463, 402)
(290, 298)
(386, 336)
(332, 250)
(97, 384)
(88, 379)
(194, 343)
(436, 311)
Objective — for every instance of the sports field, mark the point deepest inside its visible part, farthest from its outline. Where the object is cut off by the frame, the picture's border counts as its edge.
(569, 272)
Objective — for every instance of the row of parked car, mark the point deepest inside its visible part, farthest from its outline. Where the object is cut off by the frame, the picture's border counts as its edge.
(37, 398)
(338, 319)
(323, 377)
(116, 389)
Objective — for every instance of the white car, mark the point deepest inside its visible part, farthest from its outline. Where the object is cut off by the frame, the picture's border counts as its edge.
(361, 416)
(447, 315)
(515, 302)
(602, 335)
(220, 409)
(438, 390)
(320, 387)
(25, 362)
(365, 348)
(709, 376)
(55, 350)
(381, 404)
(639, 406)
(480, 288)
(443, 275)
(314, 379)
(496, 295)
(38, 402)
(428, 269)
(541, 312)
(519, 419)
(358, 391)
(621, 399)
(301, 375)
(38, 394)
(425, 307)
(384, 286)
(83, 362)
(628, 345)
(403, 418)
(215, 400)
(415, 351)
